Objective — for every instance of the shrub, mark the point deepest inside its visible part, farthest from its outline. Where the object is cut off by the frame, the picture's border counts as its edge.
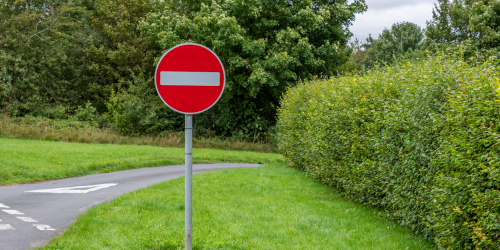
(86, 114)
(139, 110)
(466, 189)
(419, 140)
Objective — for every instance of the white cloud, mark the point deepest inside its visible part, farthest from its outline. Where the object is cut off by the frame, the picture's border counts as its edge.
(390, 4)
(384, 13)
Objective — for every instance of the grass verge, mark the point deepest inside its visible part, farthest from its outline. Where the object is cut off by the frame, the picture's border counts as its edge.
(270, 207)
(75, 131)
(33, 160)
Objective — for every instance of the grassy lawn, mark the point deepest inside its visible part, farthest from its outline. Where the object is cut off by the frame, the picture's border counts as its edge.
(33, 160)
(271, 207)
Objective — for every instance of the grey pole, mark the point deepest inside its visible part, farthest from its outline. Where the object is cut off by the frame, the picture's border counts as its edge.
(189, 182)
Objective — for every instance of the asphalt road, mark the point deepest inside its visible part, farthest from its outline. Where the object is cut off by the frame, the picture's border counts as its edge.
(32, 214)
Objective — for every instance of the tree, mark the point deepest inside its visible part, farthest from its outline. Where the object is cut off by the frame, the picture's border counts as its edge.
(41, 55)
(264, 45)
(401, 40)
(472, 26)
(485, 24)
(119, 52)
(449, 22)
(58, 55)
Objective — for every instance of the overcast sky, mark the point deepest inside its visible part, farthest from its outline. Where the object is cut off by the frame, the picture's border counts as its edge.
(384, 13)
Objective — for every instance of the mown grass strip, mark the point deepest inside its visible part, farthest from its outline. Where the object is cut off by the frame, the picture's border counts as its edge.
(270, 207)
(33, 160)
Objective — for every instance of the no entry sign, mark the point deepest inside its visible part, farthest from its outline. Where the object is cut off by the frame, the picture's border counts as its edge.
(190, 78)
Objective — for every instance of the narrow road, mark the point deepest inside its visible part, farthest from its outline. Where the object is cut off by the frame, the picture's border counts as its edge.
(32, 214)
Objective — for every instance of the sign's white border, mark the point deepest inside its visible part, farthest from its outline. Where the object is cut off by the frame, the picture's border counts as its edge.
(223, 74)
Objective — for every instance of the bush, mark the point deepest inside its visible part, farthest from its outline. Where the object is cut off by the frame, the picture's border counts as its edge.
(419, 140)
(139, 110)
(86, 114)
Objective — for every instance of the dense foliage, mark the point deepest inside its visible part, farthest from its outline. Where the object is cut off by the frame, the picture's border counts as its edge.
(264, 46)
(470, 25)
(60, 58)
(41, 62)
(122, 64)
(419, 140)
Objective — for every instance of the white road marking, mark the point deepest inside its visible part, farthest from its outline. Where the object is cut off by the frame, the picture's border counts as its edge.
(12, 211)
(3, 206)
(27, 219)
(43, 227)
(74, 190)
(6, 227)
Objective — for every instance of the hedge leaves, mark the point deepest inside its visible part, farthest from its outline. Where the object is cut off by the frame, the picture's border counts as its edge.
(419, 140)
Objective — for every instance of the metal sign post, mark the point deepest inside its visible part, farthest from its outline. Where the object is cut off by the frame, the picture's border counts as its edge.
(188, 182)
(190, 79)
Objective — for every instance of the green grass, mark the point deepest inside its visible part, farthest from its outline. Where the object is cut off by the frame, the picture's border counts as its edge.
(33, 160)
(270, 207)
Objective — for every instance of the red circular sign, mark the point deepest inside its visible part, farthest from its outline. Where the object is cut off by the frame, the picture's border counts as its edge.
(190, 78)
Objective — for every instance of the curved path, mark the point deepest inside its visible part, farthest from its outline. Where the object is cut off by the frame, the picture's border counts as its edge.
(32, 214)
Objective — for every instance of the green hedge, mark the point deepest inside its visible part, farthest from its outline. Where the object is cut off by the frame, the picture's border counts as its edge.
(419, 140)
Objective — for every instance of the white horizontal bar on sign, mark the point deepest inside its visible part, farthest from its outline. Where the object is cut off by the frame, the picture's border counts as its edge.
(178, 78)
